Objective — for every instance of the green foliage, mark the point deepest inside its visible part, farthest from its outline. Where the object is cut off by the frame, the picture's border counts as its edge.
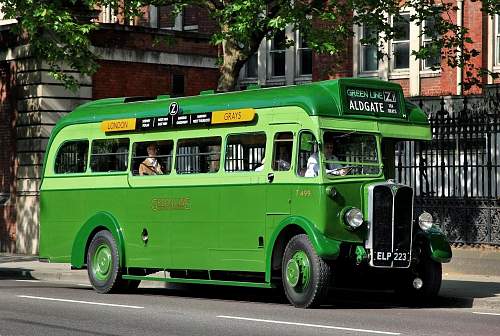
(58, 30)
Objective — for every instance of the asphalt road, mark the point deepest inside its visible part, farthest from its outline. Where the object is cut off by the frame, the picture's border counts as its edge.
(55, 308)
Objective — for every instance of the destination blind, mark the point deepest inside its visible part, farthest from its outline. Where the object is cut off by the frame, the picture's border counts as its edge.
(372, 101)
(178, 121)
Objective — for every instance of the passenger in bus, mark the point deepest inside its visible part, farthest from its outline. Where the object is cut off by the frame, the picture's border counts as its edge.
(213, 159)
(261, 167)
(331, 167)
(150, 165)
(283, 161)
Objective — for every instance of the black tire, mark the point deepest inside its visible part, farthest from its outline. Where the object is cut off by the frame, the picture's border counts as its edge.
(131, 285)
(430, 272)
(309, 290)
(103, 264)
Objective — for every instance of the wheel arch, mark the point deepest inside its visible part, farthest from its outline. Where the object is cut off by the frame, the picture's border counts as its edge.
(99, 221)
(435, 245)
(325, 247)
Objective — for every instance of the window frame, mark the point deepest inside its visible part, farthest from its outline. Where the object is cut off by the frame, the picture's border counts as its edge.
(246, 76)
(133, 156)
(87, 164)
(127, 168)
(299, 38)
(292, 141)
(377, 139)
(394, 42)
(424, 40)
(226, 144)
(180, 140)
(361, 56)
(299, 135)
(496, 40)
(270, 59)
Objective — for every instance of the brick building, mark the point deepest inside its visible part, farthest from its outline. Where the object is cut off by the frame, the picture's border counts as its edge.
(159, 54)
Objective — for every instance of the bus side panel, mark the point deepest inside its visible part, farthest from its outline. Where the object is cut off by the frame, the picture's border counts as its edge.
(60, 218)
(69, 202)
(241, 233)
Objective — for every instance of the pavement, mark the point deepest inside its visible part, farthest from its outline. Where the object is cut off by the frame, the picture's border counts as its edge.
(471, 279)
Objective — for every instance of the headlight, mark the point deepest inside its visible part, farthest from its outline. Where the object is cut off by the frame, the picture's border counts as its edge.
(425, 221)
(354, 218)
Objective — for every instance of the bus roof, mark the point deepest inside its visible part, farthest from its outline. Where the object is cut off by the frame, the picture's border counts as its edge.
(325, 98)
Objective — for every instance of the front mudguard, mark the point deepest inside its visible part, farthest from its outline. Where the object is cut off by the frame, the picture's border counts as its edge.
(435, 244)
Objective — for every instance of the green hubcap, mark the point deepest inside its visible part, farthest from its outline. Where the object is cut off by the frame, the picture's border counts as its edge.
(101, 262)
(298, 270)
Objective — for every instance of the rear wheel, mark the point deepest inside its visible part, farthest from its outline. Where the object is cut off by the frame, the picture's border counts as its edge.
(305, 275)
(103, 264)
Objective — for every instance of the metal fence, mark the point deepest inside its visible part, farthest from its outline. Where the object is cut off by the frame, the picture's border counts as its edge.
(456, 176)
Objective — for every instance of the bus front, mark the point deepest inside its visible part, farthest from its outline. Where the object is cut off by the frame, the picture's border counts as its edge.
(368, 209)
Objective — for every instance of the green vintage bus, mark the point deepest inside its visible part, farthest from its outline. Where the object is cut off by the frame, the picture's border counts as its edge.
(291, 186)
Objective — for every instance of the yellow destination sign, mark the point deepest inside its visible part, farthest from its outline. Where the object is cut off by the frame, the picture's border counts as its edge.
(231, 116)
(118, 125)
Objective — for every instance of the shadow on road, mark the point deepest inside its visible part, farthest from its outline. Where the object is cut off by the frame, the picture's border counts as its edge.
(454, 294)
(16, 273)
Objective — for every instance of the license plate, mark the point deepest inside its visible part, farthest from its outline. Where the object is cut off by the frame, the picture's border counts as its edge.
(391, 256)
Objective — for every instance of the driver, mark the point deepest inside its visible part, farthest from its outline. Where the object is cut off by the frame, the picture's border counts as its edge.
(331, 167)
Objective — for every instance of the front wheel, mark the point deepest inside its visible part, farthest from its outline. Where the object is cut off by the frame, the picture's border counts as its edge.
(421, 282)
(103, 264)
(305, 275)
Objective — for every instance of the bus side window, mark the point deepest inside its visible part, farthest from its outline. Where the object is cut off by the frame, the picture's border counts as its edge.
(308, 157)
(72, 157)
(282, 156)
(195, 156)
(152, 157)
(245, 152)
(109, 155)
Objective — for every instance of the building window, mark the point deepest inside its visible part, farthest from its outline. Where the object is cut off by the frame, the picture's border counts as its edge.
(178, 85)
(497, 39)
(304, 56)
(400, 45)
(72, 157)
(277, 55)
(368, 52)
(251, 66)
(428, 35)
(108, 14)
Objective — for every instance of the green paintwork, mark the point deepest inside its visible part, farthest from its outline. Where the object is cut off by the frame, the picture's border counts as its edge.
(201, 281)
(102, 262)
(229, 215)
(439, 245)
(298, 270)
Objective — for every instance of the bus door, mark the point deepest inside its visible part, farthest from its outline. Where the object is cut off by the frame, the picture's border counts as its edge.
(279, 177)
(146, 233)
(241, 219)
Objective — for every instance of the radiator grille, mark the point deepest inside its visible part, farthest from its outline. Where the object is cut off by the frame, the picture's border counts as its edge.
(391, 225)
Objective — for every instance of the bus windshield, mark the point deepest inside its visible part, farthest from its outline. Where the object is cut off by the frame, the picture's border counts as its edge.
(350, 153)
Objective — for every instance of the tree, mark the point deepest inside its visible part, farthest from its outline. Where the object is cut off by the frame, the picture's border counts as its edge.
(58, 30)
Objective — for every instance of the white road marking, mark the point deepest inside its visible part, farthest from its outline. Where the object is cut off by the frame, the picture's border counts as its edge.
(309, 325)
(76, 301)
(85, 285)
(27, 280)
(479, 313)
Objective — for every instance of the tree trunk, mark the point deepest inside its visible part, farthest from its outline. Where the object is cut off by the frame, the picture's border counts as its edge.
(233, 61)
